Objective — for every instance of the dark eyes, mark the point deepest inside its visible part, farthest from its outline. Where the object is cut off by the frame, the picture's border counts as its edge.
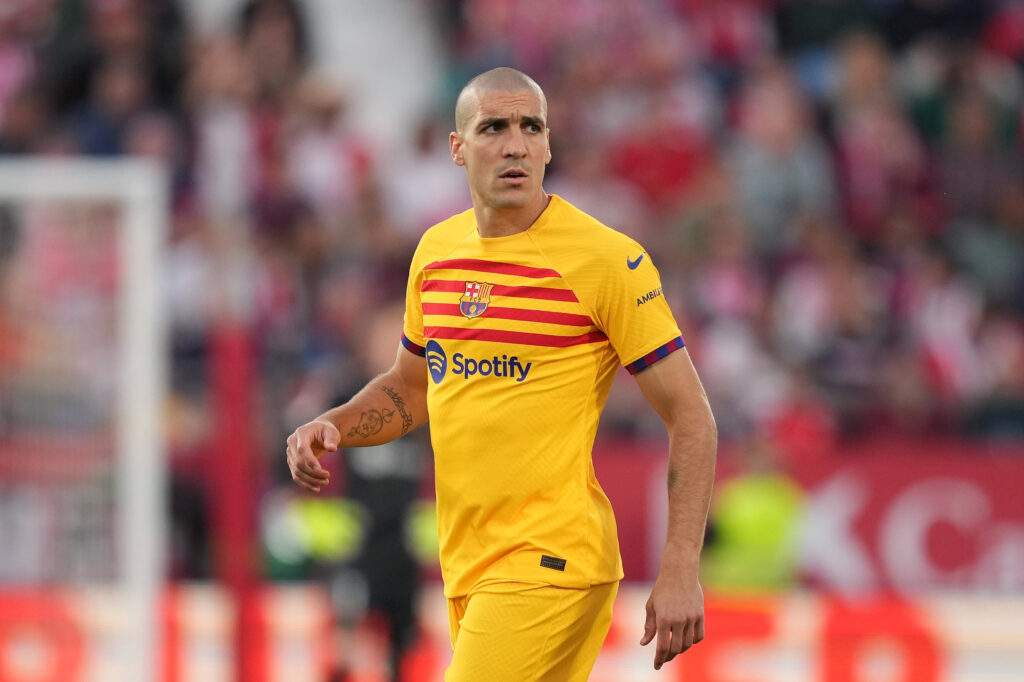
(497, 127)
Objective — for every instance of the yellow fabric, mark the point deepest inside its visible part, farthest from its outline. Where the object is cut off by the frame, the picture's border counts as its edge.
(516, 390)
(525, 632)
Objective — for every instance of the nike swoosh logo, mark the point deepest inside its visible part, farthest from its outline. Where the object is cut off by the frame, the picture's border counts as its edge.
(632, 264)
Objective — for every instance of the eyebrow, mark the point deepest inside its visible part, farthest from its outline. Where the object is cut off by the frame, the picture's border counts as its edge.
(524, 120)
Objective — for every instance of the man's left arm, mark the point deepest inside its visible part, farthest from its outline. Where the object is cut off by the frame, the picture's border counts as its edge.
(675, 609)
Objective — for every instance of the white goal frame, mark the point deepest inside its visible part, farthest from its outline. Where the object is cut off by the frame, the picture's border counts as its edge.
(140, 188)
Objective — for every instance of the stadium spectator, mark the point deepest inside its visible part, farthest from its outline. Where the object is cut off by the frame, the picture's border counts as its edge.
(273, 34)
(87, 34)
(781, 166)
(663, 159)
(17, 54)
(325, 160)
(421, 184)
(119, 94)
(974, 163)
(218, 94)
(754, 525)
(24, 122)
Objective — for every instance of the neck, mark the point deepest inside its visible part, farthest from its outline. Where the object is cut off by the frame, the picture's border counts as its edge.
(502, 222)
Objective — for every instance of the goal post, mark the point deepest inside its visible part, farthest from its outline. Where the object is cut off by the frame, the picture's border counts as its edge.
(137, 192)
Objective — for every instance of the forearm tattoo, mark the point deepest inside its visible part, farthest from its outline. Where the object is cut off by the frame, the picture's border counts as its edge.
(400, 404)
(371, 422)
(673, 476)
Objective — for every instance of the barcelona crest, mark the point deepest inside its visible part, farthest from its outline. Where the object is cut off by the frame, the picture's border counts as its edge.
(476, 298)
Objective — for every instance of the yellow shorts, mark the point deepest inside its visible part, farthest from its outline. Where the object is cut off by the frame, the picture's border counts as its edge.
(527, 632)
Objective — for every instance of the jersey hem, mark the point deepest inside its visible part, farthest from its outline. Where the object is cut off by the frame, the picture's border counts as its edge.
(458, 591)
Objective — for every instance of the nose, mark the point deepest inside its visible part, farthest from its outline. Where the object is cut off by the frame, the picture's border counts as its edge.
(515, 144)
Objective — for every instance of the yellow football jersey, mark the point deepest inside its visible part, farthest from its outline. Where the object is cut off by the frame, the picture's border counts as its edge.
(523, 336)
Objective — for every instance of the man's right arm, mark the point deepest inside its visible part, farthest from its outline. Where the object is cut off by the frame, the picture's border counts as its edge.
(388, 407)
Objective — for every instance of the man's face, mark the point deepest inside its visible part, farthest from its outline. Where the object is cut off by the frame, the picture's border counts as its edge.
(504, 147)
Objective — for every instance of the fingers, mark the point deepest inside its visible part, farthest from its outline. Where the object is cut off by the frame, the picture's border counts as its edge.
(306, 482)
(673, 638)
(650, 626)
(675, 617)
(663, 652)
(307, 472)
(302, 461)
(678, 643)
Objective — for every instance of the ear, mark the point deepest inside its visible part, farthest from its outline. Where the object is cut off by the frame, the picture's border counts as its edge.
(455, 142)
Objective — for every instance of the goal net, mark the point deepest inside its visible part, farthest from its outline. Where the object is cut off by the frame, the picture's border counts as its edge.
(81, 379)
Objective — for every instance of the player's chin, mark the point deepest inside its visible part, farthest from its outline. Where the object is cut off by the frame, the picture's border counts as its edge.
(512, 197)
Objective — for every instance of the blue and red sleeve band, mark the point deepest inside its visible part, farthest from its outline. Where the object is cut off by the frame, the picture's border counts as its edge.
(655, 355)
(413, 348)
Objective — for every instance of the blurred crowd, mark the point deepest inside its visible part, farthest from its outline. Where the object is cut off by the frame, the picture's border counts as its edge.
(833, 191)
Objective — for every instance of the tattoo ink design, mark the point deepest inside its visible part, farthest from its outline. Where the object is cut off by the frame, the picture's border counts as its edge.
(400, 404)
(371, 422)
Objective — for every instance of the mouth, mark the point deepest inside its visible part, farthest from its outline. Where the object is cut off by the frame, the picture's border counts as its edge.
(513, 174)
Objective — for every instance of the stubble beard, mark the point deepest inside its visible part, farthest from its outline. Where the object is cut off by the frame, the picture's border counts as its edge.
(513, 197)
(503, 200)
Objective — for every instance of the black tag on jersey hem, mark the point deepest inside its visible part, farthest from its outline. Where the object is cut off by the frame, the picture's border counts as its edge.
(552, 562)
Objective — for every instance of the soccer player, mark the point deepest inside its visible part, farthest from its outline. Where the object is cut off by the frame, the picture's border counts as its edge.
(518, 313)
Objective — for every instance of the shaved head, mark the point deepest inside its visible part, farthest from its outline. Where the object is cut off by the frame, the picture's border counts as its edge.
(501, 79)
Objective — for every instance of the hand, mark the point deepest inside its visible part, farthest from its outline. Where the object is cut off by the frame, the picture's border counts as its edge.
(675, 613)
(305, 446)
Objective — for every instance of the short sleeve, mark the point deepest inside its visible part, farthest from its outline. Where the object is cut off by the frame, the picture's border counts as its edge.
(633, 313)
(412, 327)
